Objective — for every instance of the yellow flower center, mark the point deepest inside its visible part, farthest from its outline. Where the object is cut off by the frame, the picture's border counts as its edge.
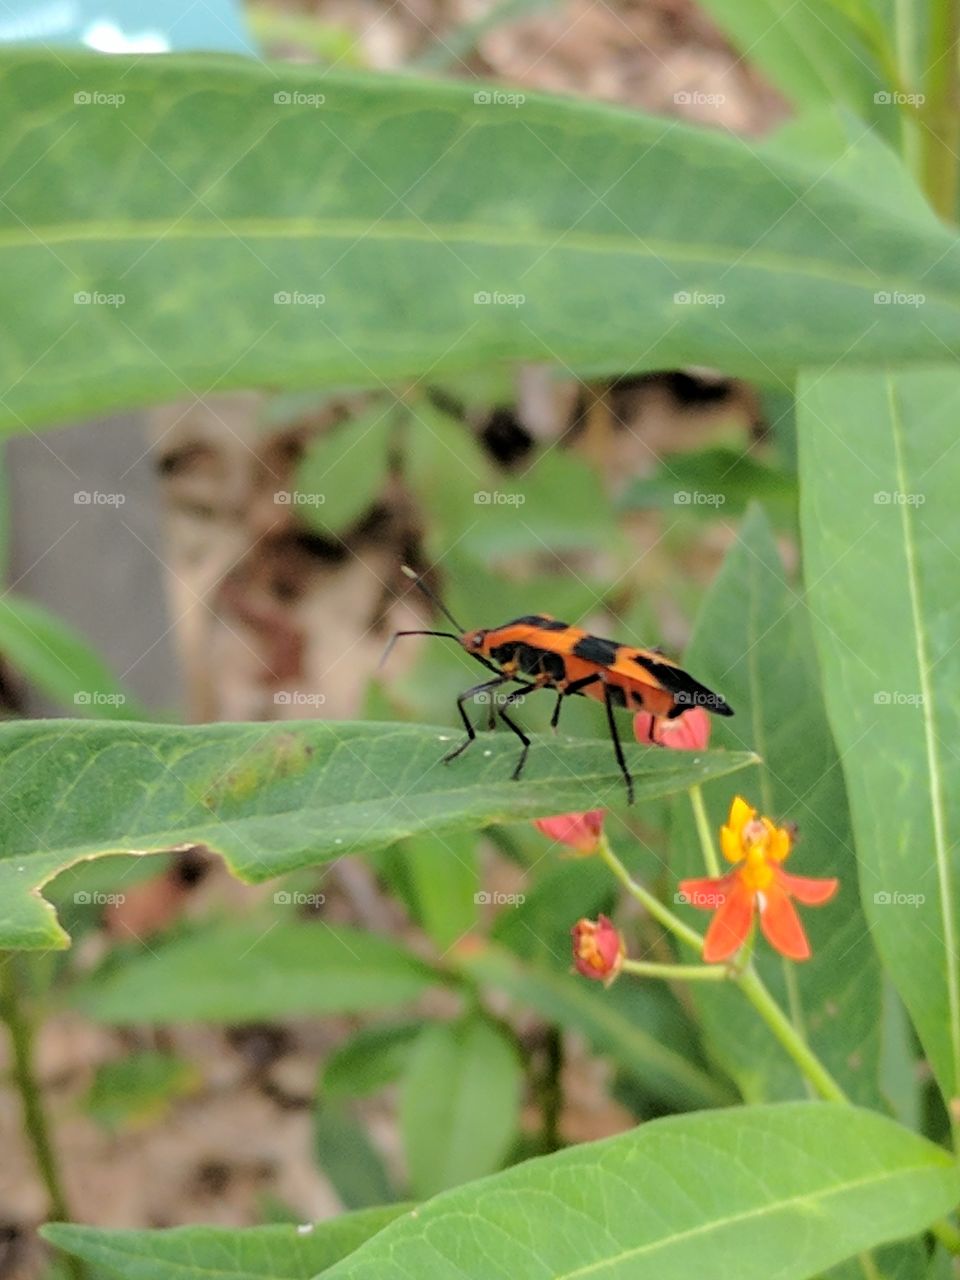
(756, 872)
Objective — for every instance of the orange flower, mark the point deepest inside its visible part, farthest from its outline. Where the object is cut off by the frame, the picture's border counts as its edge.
(758, 882)
(579, 831)
(687, 732)
(598, 949)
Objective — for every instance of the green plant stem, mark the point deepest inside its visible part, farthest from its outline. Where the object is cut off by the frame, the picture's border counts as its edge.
(652, 903)
(679, 972)
(755, 990)
(703, 831)
(785, 1031)
(23, 1073)
(550, 1089)
(940, 115)
(753, 987)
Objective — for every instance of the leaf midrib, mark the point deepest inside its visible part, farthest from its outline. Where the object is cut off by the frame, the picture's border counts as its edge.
(287, 229)
(947, 912)
(814, 1201)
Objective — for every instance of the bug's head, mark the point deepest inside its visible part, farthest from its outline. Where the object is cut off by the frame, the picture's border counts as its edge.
(473, 641)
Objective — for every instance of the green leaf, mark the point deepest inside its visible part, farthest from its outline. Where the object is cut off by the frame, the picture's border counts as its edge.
(449, 472)
(880, 530)
(253, 272)
(222, 1253)
(343, 472)
(566, 888)
(272, 798)
(900, 1068)
(138, 1088)
(59, 661)
(753, 642)
(242, 971)
(445, 880)
(348, 1158)
(459, 1103)
(714, 482)
(824, 53)
(556, 506)
(371, 1058)
(744, 1194)
(830, 138)
(905, 1260)
(608, 1020)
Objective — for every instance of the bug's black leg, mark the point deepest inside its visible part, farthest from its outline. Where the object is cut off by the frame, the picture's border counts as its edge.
(555, 718)
(511, 724)
(492, 711)
(576, 687)
(617, 745)
(465, 697)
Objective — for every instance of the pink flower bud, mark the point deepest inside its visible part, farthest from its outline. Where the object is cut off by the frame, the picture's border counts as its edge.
(598, 949)
(578, 831)
(688, 732)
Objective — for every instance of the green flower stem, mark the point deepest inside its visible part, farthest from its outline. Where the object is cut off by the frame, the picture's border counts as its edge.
(750, 983)
(680, 972)
(649, 900)
(703, 831)
(23, 1073)
(753, 987)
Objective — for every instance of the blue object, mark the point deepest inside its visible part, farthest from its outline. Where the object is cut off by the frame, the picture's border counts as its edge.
(128, 26)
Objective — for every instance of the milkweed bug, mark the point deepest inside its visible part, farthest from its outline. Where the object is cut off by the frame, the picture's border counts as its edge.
(539, 652)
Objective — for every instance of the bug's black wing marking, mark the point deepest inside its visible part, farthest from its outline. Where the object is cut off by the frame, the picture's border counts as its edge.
(538, 620)
(686, 691)
(595, 649)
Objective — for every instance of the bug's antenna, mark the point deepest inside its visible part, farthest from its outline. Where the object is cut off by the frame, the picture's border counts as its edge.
(431, 595)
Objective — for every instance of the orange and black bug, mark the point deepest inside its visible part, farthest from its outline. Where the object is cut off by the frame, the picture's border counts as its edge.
(539, 652)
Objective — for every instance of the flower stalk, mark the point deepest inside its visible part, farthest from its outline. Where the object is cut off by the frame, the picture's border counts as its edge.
(23, 1073)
